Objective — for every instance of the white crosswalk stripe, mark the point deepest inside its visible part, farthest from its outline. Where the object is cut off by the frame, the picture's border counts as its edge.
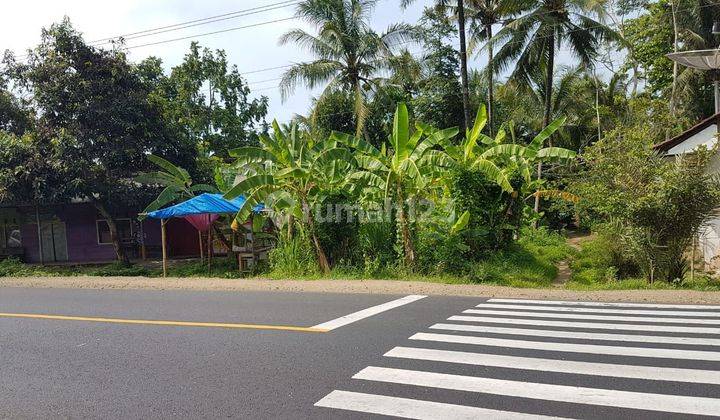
(554, 365)
(606, 304)
(591, 325)
(546, 308)
(414, 409)
(595, 317)
(571, 347)
(637, 338)
(459, 362)
(564, 393)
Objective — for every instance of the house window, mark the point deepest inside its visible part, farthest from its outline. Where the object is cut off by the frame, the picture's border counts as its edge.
(124, 230)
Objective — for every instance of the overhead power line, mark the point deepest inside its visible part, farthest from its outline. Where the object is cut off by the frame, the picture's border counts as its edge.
(237, 28)
(197, 22)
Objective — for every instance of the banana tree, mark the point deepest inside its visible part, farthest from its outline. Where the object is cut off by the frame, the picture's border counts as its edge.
(289, 174)
(404, 168)
(522, 159)
(469, 153)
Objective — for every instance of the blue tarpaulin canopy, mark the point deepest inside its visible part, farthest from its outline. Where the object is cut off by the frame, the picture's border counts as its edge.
(202, 204)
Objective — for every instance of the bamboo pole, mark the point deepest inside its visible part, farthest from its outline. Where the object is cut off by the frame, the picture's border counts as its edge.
(164, 246)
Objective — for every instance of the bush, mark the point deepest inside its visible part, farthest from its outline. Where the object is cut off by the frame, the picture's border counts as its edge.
(494, 214)
(654, 206)
(12, 267)
(338, 233)
(376, 244)
(293, 256)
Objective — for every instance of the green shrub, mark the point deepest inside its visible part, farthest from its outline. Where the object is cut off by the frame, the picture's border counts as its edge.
(376, 244)
(12, 267)
(293, 256)
(441, 252)
(494, 214)
(338, 234)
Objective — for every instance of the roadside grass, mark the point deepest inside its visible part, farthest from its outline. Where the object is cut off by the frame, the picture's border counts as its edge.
(531, 262)
(592, 269)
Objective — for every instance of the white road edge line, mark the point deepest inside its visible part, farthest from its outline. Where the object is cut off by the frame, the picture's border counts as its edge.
(635, 318)
(563, 366)
(546, 392)
(604, 304)
(414, 409)
(571, 348)
(366, 313)
(581, 335)
(591, 325)
(598, 311)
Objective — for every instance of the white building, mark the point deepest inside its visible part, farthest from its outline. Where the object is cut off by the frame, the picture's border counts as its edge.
(705, 133)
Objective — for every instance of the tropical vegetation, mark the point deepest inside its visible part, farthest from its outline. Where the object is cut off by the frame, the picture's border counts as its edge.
(460, 148)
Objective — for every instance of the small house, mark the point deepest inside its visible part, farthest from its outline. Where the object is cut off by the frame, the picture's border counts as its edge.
(76, 233)
(704, 133)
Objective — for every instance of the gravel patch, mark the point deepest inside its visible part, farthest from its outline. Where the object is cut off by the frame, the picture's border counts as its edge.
(394, 287)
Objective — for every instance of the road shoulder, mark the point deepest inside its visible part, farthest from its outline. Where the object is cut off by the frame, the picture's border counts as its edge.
(391, 287)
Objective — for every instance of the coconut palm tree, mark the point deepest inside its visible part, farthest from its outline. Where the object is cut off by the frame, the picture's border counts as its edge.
(532, 40)
(348, 53)
(483, 14)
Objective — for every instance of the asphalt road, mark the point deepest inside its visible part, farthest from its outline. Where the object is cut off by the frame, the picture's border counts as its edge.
(432, 357)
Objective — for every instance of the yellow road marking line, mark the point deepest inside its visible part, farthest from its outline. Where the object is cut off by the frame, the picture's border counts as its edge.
(167, 323)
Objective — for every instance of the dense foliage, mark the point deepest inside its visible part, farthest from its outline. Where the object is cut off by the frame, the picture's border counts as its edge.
(410, 160)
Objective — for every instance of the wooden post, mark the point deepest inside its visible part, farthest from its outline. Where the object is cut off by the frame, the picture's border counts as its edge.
(164, 246)
(209, 253)
(143, 249)
(202, 257)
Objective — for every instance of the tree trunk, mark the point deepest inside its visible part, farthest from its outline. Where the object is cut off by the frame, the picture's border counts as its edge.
(548, 106)
(112, 226)
(463, 63)
(675, 64)
(291, 226)
(597, 107)
(490, 76)
(408, 247)
(322, 258)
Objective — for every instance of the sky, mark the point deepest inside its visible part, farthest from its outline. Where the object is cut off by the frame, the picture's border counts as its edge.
(250, 49)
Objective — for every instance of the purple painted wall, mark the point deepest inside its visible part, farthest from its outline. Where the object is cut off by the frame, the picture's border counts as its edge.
(81, 232)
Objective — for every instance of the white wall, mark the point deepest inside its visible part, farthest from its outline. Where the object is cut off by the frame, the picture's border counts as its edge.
(705, 137)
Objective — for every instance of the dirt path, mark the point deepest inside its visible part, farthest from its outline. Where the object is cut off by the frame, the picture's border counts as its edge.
(393, 287)
(564, 270)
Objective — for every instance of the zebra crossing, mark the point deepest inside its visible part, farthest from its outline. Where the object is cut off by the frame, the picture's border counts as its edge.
(530, 359)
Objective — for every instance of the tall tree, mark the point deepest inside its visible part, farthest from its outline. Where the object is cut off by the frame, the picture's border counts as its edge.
(438, 98)
(483, 14)
(348, 53)
(208, 100)
(96, 122)
(459, 11)
(533, 39)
